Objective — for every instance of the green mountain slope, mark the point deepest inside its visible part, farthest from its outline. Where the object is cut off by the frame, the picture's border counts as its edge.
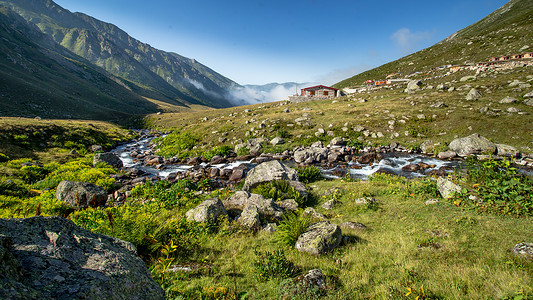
(40, 78)
(111, 48)
(506, 31)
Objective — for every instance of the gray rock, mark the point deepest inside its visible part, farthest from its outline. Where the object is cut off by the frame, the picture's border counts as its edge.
(447, 188)
(310, 155)
(473, 95)
(277, 141)
(508, 100)
(108, 158)
(250, 217)
(208, 210)
(288, 204)
(432, 201)
(472, 144)
(506, 150)
(314, 279)
(364, 200)
(447, 154)
(268, 209)
(319, 238)
(466, 78)
(528, 102)
(413, 85)
(338, 141)
(330, 204)
(313, 214)
(353, 225)
(270, 227)
(81, 195)
(529, 95)
(96, 148)
(52, 258)
(524, 249)
(268, 171)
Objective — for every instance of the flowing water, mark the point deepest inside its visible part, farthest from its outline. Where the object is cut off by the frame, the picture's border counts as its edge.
(391, 163)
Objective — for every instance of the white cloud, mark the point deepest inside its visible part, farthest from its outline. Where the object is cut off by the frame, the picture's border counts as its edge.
(409, 41)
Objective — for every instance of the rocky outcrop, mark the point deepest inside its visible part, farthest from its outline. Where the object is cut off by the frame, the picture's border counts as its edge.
(310, 155)
(81, 195)
(268, 171)
(208, 210)
(472, 144)
(108, 158)
(319, 238)
(52, 258)
(268, 209)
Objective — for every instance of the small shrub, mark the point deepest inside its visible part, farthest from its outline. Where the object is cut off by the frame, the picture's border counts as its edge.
(309, 174)
(243, 151)
(296, 290)
(270, 265)
(32, 173)
(218, 150)
(279, 190)
(290, 228)
(176, 144)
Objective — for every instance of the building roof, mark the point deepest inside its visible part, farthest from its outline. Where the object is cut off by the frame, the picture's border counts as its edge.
(319, 87)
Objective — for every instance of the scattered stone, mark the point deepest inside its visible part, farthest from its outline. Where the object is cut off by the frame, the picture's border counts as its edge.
(331, 204)
(432, 201)
(508, 100)
(313, 213)
(319, 238)
(466, 78)
(288, 204)
(96, 148)
(364, 200)
(506, 150)
(473, 95)
(250, 217)
(524, 249)
(277, 141)
(447, 154)
(206, 211)
(80, 195)
(108, 158)
(353, 225)
(52, 258)
(268, 210)
(447, 188)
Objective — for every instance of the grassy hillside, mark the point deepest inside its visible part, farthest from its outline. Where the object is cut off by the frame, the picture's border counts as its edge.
(173, 76)
(41, 78)
(508, 30)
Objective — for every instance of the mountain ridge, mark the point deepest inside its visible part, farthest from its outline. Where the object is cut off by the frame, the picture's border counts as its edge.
(111, 48)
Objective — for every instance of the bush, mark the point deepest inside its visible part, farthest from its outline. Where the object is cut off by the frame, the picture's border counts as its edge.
(170, 195)
(270, 265)
(218, 150)
(176, 144)
(279, 190)
(78, 170)
(502, 189)
(32, 173)
(309, 174)
(290, 228)
(45, 204)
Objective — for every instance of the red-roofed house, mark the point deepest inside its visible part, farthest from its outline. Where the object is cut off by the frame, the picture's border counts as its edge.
(321, 91)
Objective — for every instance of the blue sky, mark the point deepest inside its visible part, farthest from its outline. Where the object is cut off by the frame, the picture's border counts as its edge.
(258, 42)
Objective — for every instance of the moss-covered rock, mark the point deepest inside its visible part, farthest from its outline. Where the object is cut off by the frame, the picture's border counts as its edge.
(319, 238)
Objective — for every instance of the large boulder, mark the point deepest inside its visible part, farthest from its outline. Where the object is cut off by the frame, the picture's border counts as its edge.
(413, 85)
(108, 158)
(208, 210)
(319, 238)
(310, 155)
(506, 150)
(472, 144)
(447, 188)
(81, 195)
(267, 208)
(268, 171)
(52, 258)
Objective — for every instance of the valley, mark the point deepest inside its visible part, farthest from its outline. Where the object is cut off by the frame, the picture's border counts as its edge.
(122, 178)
